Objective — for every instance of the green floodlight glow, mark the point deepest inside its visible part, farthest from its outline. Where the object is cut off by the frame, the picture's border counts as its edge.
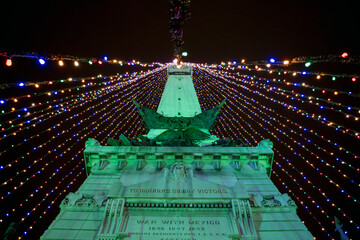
(90, 62)
(307, 64)
(184, 54)
(333, 78)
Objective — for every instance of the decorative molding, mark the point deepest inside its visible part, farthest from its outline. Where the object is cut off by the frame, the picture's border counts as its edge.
(244, 221)
(79, 200)
(140, 164)
(198, 165)
(177, 205)
(121, 164)
(111, 225)
(140, 156)
(217, 165)
(237, 165)
(271, 201)
(103, 162)
(160, 164)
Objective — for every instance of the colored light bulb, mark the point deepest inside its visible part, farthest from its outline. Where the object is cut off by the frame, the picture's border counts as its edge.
(345, 55)
(8, 62)
(41, 61)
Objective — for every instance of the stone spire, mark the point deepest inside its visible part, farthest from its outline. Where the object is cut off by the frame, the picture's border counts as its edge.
(179, 98)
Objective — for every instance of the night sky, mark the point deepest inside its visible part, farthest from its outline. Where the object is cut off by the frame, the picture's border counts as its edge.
(310, 113)
(218, 30)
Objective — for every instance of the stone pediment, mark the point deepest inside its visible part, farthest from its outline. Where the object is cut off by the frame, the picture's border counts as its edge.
(171, 186)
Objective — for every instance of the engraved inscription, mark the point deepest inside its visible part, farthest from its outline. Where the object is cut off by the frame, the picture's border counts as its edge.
(178, 228)
(166, 190)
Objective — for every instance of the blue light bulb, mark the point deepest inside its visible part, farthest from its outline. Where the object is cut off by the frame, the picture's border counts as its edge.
(41, 61)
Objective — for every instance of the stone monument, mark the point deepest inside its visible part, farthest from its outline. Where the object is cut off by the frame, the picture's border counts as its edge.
(178, 182)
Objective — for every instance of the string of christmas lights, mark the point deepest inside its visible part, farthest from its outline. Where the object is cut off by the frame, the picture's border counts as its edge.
(42, 59)
(282, 69)
(44, 132)
(92, 123)
(263, 120)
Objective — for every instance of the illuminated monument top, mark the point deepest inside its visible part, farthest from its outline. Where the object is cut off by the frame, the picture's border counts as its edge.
(177, 182)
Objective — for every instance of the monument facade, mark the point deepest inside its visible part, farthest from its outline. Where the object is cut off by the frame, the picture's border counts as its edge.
(178, 182)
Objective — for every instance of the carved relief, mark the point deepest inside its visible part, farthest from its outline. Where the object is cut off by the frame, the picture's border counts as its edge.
(244, 221)
(252, 203)
(291, 203)
(270, 202)
(78, 199)
(112, 222)
(283, 200)
(178, 172)
(91, 142)
(266, 143)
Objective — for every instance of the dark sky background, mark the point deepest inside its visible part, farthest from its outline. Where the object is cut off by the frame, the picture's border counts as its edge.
(223, 30)
(218, 30)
